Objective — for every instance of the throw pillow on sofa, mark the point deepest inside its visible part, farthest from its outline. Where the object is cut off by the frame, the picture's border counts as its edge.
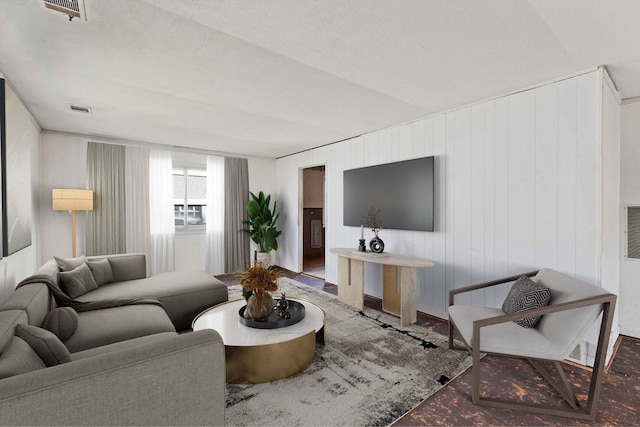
(19, 358)
(101, 270)
(68, 264)
(62, 322)
(78, 281)
(44, 343)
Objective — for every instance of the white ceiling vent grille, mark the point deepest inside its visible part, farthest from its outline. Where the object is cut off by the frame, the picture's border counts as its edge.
(73, 8)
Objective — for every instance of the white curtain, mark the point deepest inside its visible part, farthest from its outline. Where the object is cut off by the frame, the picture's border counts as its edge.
(161, 212)
(137, 200)
(214, 250)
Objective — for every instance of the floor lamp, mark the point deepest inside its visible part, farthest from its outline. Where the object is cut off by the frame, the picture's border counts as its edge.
(72, 199)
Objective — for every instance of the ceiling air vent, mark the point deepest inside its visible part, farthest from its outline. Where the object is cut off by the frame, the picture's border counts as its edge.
(79, 109)
(73, 8)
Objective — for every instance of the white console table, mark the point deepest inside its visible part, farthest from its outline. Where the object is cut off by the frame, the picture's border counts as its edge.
(351, 280)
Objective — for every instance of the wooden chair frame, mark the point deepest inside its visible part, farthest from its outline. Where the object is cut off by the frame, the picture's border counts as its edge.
(564, 388)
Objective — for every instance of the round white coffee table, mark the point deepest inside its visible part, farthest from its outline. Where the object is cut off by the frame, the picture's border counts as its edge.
(261, 355)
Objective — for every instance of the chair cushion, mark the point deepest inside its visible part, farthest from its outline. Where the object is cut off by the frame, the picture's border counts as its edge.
(62, 322)
(19, 358)
(526, 294)
(78, 281)
(45, 344)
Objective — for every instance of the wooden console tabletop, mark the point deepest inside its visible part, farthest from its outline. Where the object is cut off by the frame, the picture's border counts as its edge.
(351, 280)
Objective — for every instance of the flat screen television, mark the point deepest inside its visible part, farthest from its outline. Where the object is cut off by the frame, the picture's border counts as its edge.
(403, 191)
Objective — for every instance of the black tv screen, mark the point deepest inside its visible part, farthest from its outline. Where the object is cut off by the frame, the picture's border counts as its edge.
(403, 191)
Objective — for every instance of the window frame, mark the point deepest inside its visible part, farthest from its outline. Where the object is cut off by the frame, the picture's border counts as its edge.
(187, 228)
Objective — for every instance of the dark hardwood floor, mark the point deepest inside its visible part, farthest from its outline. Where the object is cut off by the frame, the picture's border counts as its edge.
(513, 378)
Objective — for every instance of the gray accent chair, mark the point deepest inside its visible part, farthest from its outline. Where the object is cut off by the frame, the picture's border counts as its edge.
(575, 306)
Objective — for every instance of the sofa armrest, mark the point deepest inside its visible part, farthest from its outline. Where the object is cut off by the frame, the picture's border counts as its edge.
(178, 381)
(127, 266)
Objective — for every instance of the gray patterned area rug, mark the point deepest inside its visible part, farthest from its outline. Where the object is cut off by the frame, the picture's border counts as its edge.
(370, 371)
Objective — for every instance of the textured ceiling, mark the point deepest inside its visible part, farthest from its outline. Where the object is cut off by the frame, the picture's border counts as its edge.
(275, 77)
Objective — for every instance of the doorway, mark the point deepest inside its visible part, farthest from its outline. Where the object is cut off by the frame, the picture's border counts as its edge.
(313, 243)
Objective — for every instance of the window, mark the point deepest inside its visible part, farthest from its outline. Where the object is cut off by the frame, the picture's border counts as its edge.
(190, 199)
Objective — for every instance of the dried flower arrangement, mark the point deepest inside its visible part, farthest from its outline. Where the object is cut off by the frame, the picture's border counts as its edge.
(259, 278)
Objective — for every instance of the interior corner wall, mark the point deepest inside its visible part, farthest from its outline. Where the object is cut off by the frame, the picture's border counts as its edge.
(629, 196)
(517, 188)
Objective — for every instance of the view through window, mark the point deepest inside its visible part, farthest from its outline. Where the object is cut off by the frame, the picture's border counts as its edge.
(190, 199)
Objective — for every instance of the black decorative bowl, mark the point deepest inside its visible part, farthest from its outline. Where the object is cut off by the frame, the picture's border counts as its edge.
(274, 321)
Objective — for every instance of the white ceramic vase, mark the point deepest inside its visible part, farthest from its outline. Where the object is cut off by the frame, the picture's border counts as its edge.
(264, 258)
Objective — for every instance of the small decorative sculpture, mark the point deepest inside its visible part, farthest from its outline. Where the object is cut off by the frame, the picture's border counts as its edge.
(374, 220)
(283, 307)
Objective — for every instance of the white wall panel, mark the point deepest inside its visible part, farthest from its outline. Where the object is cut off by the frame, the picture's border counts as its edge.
(546, 177)
(488, 195)
(517, 188)
(478, 172)
(521, 181)
(501, 193)
(567, 185)
(588, 176)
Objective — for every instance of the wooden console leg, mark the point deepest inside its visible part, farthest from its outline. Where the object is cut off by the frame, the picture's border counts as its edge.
(351, 282)
(408, 295)
(390, 294)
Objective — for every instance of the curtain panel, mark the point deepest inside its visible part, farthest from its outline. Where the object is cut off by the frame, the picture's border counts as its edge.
(161, 212)
(106, 224)
(236, 197)
(137, 201)
(214, 249)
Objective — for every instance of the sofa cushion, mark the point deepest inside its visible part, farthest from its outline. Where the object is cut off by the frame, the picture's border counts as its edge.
(62, 322)
(184, 293)
(34, 298)
(526, 294)
(19, 358)
(44, 343)
(128, 266)
(106, 326)
(8, 321)
(122, 345)
(78, 281)
(101, 270)
(68, 264)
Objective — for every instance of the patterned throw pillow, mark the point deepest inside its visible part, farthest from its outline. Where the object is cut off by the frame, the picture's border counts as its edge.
(526, 294)
(78, 281)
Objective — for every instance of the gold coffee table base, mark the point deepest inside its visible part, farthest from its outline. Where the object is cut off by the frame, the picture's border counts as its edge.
(271, 362)
(257, 355)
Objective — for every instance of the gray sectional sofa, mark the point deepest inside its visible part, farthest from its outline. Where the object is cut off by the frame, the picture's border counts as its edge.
(110, 351)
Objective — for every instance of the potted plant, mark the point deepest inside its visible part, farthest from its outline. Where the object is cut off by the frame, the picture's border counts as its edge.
(259, 281)
(262, 225)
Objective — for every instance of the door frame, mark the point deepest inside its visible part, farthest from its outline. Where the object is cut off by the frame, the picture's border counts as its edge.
(301, 210)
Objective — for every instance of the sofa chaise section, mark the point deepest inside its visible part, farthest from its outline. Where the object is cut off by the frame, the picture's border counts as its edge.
(184, 293)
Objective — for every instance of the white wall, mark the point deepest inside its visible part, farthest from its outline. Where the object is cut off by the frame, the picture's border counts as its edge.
(629, 195)
(64, 165)
(517, 188)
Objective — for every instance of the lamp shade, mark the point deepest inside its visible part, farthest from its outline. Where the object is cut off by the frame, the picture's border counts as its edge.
(72, 199)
